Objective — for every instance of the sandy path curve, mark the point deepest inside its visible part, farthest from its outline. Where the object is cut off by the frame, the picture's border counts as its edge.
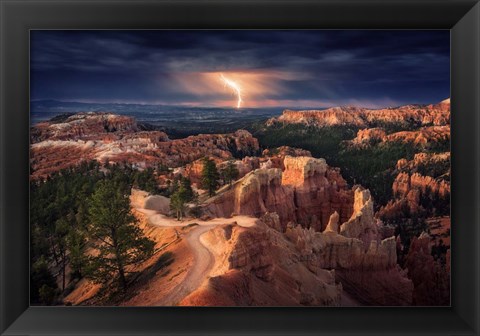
(202, 264)
(158, 219)
(203, 259)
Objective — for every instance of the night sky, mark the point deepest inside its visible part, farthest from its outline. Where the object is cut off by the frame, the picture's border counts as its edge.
(270, 68)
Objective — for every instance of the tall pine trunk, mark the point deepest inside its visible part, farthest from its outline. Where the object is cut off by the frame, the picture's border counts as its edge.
(64, 266)
(54, 251)
(121, 270)
(123, 281)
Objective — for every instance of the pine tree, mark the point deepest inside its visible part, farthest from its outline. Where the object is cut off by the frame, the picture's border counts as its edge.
(210, 176)
(43, 287)
(181, 195)
(230, 172)
(118, 241)
(62, 228)
(177, 203)
(189, 194)
(76, 242)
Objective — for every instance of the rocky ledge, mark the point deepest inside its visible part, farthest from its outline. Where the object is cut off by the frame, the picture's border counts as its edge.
(422, 115)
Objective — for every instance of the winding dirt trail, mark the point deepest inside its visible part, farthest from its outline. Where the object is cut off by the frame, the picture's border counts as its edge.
(202, 263)
(203, 259)
(157, 219)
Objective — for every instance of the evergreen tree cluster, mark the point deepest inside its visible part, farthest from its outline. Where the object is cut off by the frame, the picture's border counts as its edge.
(79, 209)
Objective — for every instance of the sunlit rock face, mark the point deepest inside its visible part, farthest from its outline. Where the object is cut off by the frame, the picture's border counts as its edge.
(361, 224)
(258, 192)
(306, 192)
(405, 182)
(111, 138)
(368, 135)
(83, 126)
(423, 115)
(318, 191)
(422, 137)
(363, 260)
(329, 117)
(436, 114)
(277, 156)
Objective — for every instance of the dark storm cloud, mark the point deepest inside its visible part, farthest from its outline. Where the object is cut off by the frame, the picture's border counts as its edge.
(323, 67)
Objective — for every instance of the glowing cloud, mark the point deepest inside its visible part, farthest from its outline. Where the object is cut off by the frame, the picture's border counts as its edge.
(234, 87)
(252, 88)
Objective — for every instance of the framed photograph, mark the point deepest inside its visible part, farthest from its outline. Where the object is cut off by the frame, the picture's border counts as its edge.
(183, 168)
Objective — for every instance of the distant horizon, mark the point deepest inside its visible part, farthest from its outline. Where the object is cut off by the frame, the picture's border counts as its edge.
(225, 107)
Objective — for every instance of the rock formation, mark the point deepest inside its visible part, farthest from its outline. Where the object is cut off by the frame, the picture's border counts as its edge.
(364, 263)
(142, 200)
(83, 126)
(255, 194)
(116, 139)
(288, 201)
(306, 192)
(332, 225)
(404, 183)
(431, 277)
(369, 135)
(260, 264)
(330, 117)
(362, 224)
(410, 186)
(420, 159)
(408, 191)
(257, 266)
(276, 156)
(423, 115)
(421, 137)
(194, 171)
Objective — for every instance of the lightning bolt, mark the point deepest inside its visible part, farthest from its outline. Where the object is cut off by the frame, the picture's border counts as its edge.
(234, 87)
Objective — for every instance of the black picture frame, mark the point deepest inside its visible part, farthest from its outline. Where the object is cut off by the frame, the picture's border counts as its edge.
(17, 17)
